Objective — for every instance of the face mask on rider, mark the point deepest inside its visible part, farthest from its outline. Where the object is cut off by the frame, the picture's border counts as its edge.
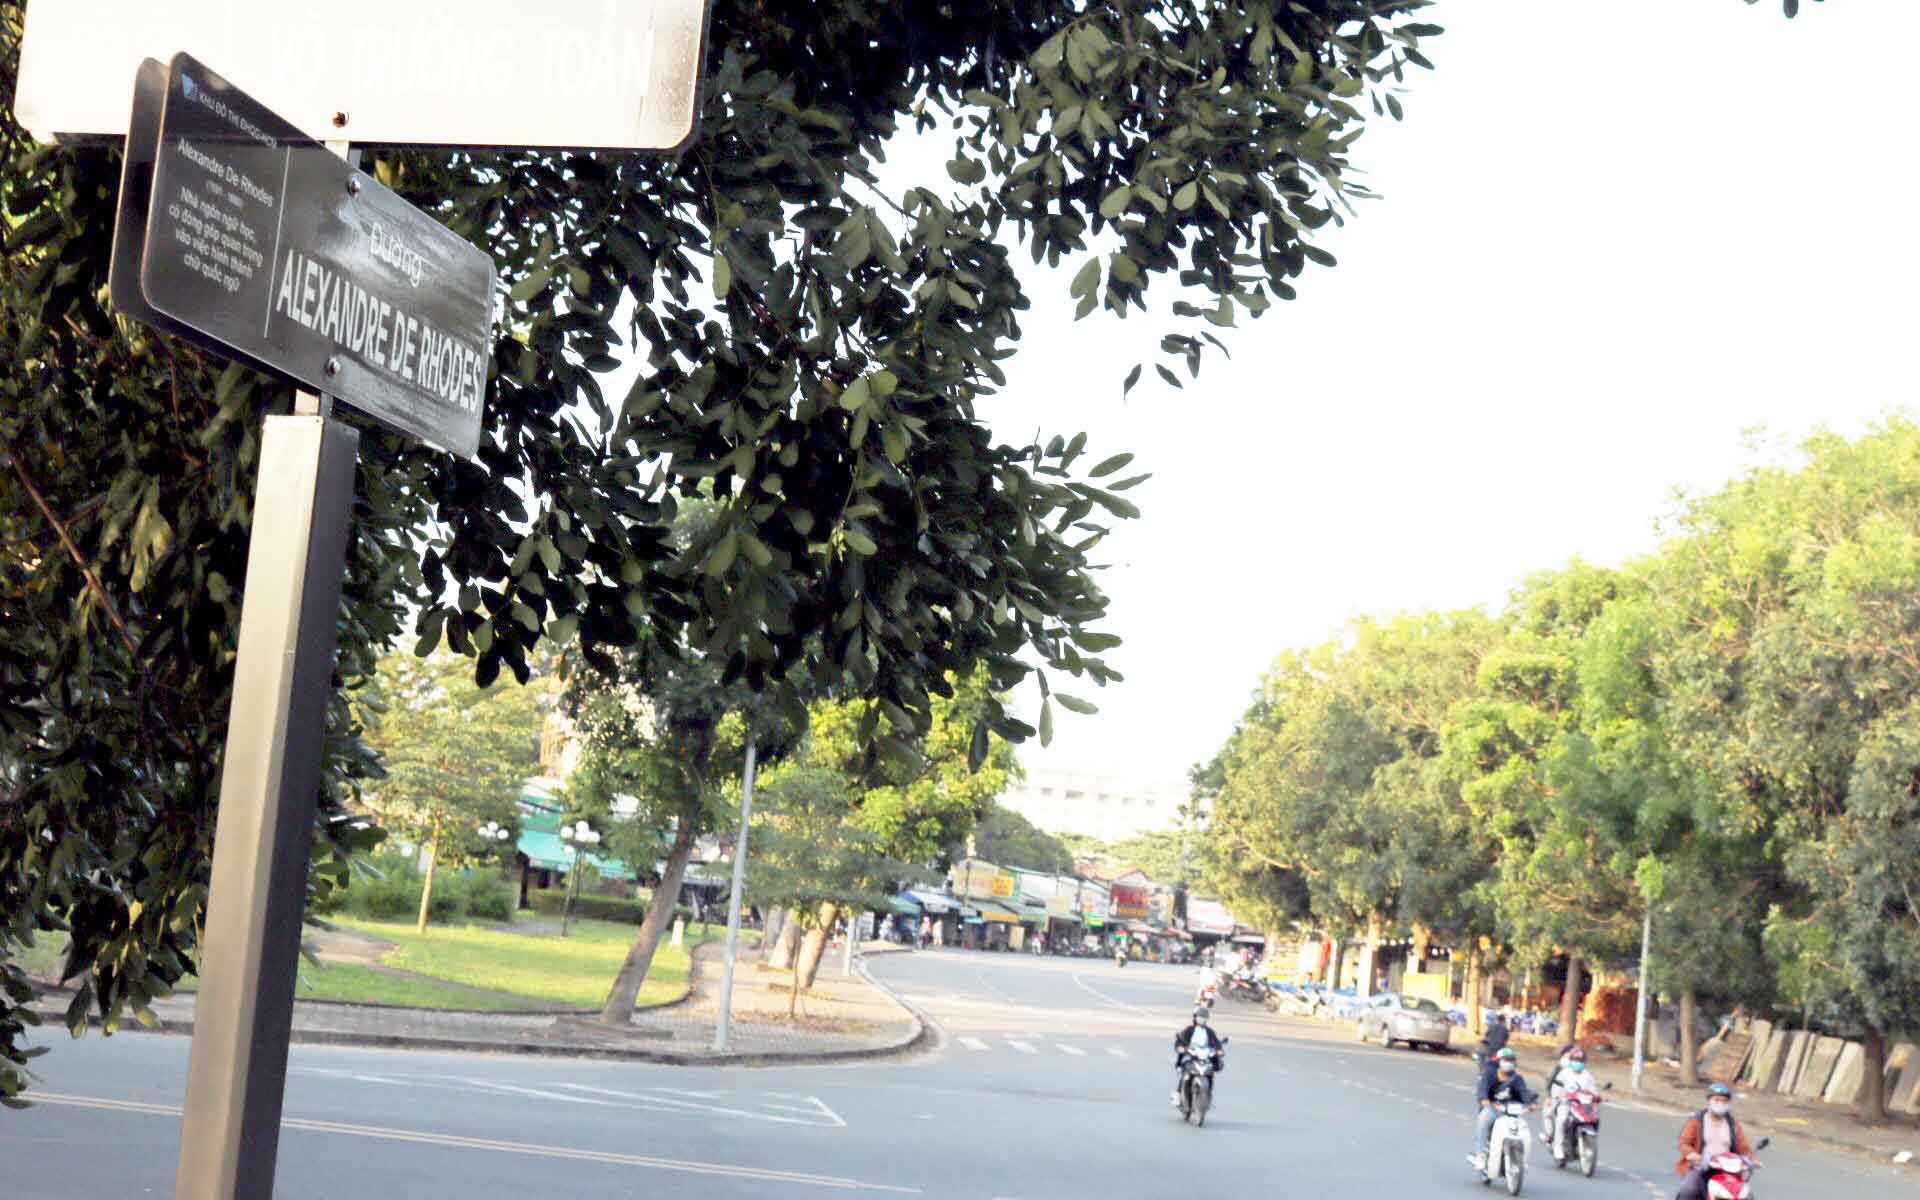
(1719, 1108)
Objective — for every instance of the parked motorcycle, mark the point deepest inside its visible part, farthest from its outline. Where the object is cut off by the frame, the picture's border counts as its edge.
(1578, 1135)
(1507, 1148)
(1730, 1176)
(1196, 1083)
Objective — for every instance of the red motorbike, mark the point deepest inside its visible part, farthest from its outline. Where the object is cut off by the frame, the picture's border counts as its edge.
(1577, 1132)
(1730, 1176)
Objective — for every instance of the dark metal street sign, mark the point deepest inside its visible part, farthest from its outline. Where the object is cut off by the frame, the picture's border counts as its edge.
(265, 245)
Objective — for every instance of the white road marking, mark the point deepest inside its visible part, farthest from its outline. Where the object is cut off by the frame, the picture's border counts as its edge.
(1106, 999)
(762, 1174)
(652, 1100)
(1117, 1052)
(1022, 1047)
(972, 1043)
(1076, 1051)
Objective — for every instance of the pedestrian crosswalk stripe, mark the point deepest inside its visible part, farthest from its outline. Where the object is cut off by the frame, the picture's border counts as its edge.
(1022, 1047)
(1076, 1051)
(973, 1043)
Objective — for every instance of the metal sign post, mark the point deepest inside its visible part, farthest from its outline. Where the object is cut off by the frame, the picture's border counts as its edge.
(724, 1023)
(269, 788)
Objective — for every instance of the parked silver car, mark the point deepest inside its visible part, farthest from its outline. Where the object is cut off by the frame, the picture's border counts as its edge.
(1390, 1017)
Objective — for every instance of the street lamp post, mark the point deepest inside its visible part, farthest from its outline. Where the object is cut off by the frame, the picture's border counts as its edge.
(576, 837)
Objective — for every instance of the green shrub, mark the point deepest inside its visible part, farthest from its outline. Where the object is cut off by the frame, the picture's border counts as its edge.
(483, 897)
(549, 902)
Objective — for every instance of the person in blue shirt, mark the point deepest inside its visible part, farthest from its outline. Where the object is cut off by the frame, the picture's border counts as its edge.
(1500, 1084)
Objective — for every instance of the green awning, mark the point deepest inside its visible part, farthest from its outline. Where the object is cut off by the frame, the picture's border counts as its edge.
(548, 851)
(902, 906)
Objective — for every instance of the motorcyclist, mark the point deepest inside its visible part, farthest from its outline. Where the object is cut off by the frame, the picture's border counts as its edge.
(1708, 1132)
(1500, 1084)
(1569, 1075)
(1197, 1034)
(1212, 979)
(1495, 1038)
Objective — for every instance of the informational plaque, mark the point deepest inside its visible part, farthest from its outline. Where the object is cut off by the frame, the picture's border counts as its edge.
(271, 248)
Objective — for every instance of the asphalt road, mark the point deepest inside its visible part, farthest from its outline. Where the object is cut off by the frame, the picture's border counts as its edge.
(1051, 1080)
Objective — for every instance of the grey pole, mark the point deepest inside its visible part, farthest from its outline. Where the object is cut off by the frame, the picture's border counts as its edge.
(725, 1021)
(269, 785)
(1640, 997)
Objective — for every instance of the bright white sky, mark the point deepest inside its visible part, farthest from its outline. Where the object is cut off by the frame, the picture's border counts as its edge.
(1616, 237)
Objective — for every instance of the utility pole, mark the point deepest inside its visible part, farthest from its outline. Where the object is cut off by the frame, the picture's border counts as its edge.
(1640, 1000)
(725, 1021)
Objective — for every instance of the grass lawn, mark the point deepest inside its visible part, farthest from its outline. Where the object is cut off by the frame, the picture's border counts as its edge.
(538, 971)
(570, 972)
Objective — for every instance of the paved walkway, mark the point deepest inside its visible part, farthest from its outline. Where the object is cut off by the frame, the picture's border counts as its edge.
(843, 1016)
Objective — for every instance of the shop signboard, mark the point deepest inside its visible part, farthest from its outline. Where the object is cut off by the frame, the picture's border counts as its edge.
(983, 881)
(1130, 901)
(1209, 917)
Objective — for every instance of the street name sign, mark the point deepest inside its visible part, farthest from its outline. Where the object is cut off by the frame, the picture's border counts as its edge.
(610, 74)
(264, 245)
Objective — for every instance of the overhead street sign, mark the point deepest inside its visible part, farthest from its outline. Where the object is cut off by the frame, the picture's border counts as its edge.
(613, 74)
(272, 249)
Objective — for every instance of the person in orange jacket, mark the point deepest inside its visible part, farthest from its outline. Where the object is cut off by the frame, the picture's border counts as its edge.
(1708, 1132)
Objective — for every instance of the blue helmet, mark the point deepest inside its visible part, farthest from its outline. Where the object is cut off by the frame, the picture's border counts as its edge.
(1720, 1091)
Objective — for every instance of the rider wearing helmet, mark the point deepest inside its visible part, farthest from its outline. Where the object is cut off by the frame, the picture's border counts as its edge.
(1708, 1132)
(1196, 1035)
(1570, 1074)
(1499, 1085)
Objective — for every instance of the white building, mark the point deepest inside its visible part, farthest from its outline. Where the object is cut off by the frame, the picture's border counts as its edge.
(1106, 805)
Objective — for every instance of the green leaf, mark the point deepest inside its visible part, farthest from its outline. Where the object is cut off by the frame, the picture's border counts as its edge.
(1075, 704)
(1109, 466)
(531, 286)
(1189, 193)
(1086, 279)
(860, 543)
(722, 276)
(966, 170)
(1133, 377)
(1116, 202)
(857, 395)
(1046, 722)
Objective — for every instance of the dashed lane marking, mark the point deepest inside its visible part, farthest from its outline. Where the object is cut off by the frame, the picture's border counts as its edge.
(972, 1043)
(1076, 1051)
(1022, 1047)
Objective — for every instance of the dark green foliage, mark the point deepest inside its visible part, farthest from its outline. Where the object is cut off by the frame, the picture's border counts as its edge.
(872, 535)
(550, 902)
(1007, 838)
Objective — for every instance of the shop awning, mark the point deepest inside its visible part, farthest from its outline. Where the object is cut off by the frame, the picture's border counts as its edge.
(902, 906)
(932, 902)
(992, 910)
(548, 851)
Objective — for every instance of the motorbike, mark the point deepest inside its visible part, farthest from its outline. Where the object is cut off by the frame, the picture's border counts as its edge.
(1243, 985)
(1730, 1176)
(1208, 993)
(1507, 1148)
(1119, 958)
(1578, 1135)
(1196, 1084)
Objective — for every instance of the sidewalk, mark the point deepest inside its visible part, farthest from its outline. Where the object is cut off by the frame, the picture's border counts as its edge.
(843, 1017)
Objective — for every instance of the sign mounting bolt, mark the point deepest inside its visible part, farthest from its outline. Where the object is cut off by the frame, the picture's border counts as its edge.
(353, 185)
(333, 367)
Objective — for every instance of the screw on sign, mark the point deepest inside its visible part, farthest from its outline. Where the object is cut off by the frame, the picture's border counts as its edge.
(238, 231)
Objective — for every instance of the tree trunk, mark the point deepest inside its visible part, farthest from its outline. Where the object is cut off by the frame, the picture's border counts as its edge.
(1689, 1052)
(1367, 984)
(618, 1009)
(814, 946)
(1476, 1011)
(784, 950)
(1334, 962)
(770, 935)
(1570, 1001)
(1873, 1061)
(432, 856)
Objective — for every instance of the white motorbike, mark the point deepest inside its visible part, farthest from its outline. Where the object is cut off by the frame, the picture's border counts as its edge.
(1507, 1147)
